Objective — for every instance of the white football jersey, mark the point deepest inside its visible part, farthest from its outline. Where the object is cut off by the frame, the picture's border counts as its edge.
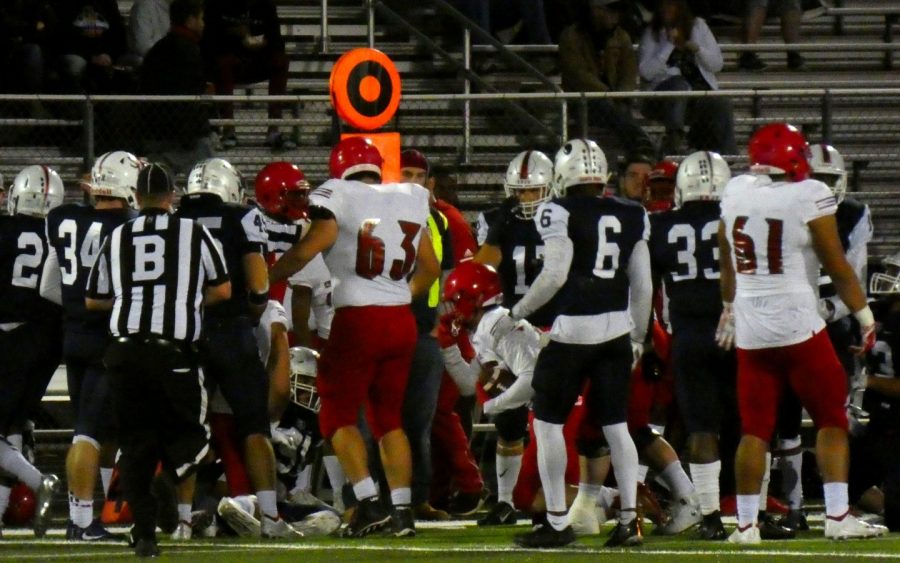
(379, 230)
(776, 267)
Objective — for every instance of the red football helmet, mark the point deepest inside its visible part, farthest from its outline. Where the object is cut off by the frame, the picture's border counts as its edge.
(661, 186)
(470, 287)
(353, 155)
(779, 148)
(282, 190)
(22, 503)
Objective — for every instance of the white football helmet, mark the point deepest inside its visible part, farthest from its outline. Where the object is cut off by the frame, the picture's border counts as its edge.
(35, 191)
(218, 177)
(527, 171)
(579, 161)
(701, 176)
(887, 282)
(115, 175)
(827, 166)
(303, 378)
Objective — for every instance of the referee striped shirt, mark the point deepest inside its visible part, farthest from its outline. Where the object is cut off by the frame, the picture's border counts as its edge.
(156, 267)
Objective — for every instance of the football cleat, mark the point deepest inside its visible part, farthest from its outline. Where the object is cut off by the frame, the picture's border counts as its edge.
(769, 529)
(794, 520)
(146, 548)
(49, 486)
(243, 523)
(711, 528)
(546, 537)
(94, 532)
(369, 516)
(626, 535)
(685, 513)
(403, 524)
(183, 532)
(850, 527)
(278, 528)
(467, 504)
(502, 514)
(747, 536)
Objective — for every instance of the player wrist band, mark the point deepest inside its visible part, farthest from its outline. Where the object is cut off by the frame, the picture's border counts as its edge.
(864, 316)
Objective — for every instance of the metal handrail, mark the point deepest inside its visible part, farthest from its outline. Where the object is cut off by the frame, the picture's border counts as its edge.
(726, 47)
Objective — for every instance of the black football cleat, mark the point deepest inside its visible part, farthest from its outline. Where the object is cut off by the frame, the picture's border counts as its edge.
(711, 528)
(403, 524)
(369, 516)
(145, 548)
(502, 514)
(626, 535)
(546, 537)
(771, 530)
(794, 520)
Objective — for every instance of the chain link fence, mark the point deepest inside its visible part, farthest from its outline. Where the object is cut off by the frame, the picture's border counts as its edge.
(473, 136)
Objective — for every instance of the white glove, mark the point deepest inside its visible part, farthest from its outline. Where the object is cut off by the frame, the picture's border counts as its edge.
(725, 330)
(489, 407)
(637, 350)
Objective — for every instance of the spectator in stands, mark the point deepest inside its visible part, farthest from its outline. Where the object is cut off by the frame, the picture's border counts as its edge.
(176, 134)
(508, 13)
(243, 44)
(148, 22)
(678, 52)
(596, 56)
(92, 40)
(27, 30)
(754, 18)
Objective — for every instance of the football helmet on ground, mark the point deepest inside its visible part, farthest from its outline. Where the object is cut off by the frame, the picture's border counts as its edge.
(304, 362)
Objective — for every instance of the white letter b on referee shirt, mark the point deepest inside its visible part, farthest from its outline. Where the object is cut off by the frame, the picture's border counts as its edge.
(148, 257)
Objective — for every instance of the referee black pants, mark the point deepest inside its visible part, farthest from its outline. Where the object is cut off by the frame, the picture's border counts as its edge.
(160, 406)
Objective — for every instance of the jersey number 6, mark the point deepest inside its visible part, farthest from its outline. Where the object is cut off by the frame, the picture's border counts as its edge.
(745, 248)
(370, 251)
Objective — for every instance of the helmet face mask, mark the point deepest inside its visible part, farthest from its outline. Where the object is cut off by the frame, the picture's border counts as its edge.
(528, 179)
(218, 177)
(702, 176)
(469, 288)
(282, 191)
(303, 378)
(578, 162)
(887, 282)
(115, 175)
(828, 167)
(35, 191)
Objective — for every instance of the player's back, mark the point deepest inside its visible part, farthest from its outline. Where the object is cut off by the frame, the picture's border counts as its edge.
(238, 230)
(379, 227)
(75, 233)
(684, 252)
(23, 249)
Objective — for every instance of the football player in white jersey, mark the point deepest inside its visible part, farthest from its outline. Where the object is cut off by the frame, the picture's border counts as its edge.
(380, 256)
(777, 227)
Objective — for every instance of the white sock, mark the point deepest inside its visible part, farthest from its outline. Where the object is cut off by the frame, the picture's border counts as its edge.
(508, 467)
(748, 508)
(268, 505)
(106, 479)
(184, 513)
(625, 466)
(791, 466)
(365, 489)
(401, 496)
(678, 481)
(764, 488)
(335, 473)
(837, 502)
(706, 483)
(642, 473)
(302, 483)
(13, 462)
(558, 521)
(551, 454)
(590, 491)
(81, 511)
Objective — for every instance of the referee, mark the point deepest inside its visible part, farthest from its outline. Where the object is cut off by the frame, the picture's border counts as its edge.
(153, 273)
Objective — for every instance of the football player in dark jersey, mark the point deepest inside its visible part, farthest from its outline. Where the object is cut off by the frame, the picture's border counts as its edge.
(514, 247)
(231, 357)
(29, 326)
(597, 266)
(75, 233)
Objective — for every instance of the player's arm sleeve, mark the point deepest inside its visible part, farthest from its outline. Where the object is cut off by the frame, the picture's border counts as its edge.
(481, 229)
(858, 257)
(553, 225)
(463, 373)
(816, 201)
(212, 259)
(640, 282)
(519, 350)
(327, 198)
(51, 277)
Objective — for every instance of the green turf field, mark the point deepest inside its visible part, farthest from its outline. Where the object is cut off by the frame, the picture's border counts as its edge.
(458, 543)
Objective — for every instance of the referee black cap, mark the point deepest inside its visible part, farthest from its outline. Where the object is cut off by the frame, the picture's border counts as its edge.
(154, 179)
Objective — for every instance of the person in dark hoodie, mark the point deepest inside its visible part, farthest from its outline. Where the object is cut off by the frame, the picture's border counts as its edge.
(596, 56)
(177, 133)
(243, 45)
(92, 40)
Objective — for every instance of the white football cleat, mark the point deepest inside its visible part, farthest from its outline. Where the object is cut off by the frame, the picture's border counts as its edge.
(851, 527)
(278, 529)
(685, 513)
(583, 517)
(750, 536)
(321, 523)
(243, 523)
(183, 532)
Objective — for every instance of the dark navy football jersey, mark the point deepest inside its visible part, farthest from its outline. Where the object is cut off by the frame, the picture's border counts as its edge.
(604, 232)
(684, 253)
(23, 250)
(881, 361)
(238, 230)
(850, 213)
(522, 252)
(75, 233)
